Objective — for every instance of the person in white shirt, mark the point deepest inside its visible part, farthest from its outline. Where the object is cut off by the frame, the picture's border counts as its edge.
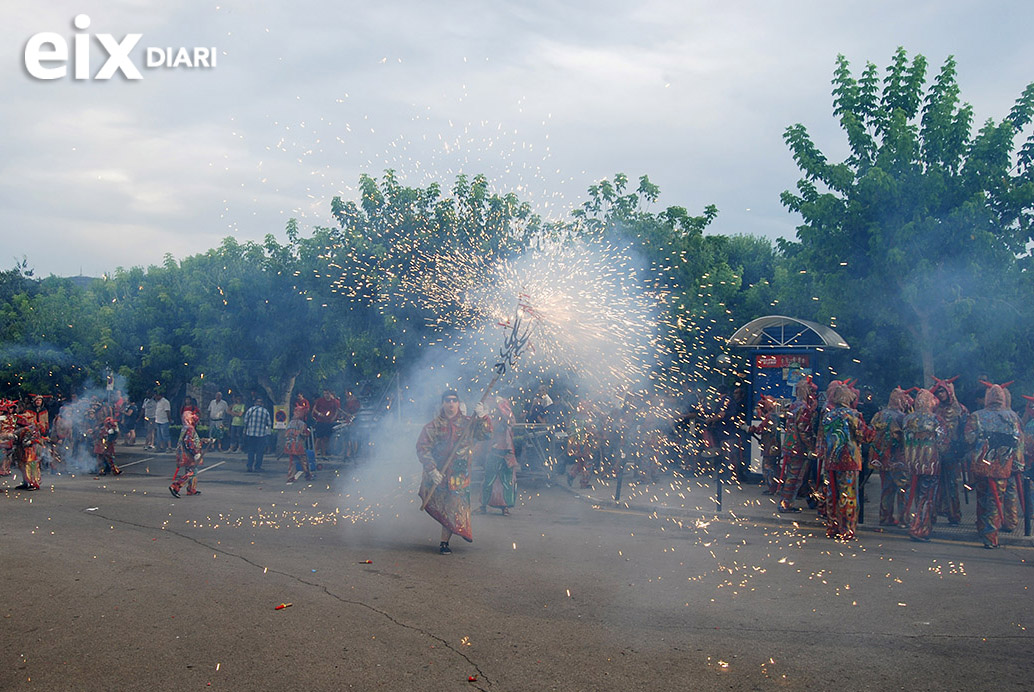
(217, 410)
(162, 413)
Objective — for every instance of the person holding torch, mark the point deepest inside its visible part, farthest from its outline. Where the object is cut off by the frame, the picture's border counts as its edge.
(444, 449)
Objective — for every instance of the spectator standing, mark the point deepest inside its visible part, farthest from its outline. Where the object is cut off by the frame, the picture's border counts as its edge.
(162, 419)
(237, 423)
(324, 412)
(130, 414)
(150, 401)
(257, 424)
(217, 412)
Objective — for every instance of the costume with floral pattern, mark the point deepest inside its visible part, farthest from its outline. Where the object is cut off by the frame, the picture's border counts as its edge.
(448, 502)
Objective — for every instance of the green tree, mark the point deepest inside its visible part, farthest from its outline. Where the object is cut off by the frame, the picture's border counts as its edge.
(917, 231)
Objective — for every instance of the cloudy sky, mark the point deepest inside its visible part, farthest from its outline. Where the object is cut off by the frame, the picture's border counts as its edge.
(543, 96)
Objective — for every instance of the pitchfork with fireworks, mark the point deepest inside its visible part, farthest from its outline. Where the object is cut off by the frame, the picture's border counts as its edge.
(514, 344)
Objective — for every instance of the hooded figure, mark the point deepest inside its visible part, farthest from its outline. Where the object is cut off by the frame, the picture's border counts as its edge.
(499, 488)
(995, 442)
(444, 449)
(105, 432)
(189, 452)
(26, 451)
(953, 414)
(925, 438)
(842, 433)
(888, 455)
(798, 442)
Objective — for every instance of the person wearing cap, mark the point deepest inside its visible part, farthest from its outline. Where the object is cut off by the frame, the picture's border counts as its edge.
(444, 449)
(499, 488)
(995, 443)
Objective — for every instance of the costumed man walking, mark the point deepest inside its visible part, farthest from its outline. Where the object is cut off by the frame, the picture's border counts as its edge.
(925, 438)
(888, 455)
(499, 488)
(189, 456)
(842, 433)
(954, 415)
(444, 449)
(798, 442)
(995, 443)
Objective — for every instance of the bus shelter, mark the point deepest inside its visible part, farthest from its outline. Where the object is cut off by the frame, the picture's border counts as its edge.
(781, 350)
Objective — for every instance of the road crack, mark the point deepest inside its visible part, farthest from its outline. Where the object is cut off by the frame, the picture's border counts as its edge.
(481, 677)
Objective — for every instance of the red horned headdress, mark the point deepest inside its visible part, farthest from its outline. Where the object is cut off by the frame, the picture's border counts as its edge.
(997, 395)
(947, 385)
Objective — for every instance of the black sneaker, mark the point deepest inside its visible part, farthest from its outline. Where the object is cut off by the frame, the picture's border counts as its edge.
(444, 548)
(175, 493)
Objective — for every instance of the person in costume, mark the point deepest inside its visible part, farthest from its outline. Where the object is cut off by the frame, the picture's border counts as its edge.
(842, 432)
(582, 444)
(295, 437)
(25, 450)
(189, 456)
(8, 422)
(995, 442)
(499, 488)
(1013, 500)
(104, 433)
(954, 415)
(798, 442)
(888, 455)
(444, 449)
(767, 434)
(925, 436)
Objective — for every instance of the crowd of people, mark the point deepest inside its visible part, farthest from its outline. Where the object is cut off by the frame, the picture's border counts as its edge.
(39, 434)
(924, 443)
(926, 446)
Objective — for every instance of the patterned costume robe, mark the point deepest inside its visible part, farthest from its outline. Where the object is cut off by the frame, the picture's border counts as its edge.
(188, 460)
(449, 502)
(798, 446)
(841, 435)
(26, 451)
(954, 415)
(925, 438)
(499, 488)
(888, 455)
(995, 442)
(104, 434)
(7, 425)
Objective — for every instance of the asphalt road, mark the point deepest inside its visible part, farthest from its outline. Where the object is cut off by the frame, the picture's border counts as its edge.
(111, 584)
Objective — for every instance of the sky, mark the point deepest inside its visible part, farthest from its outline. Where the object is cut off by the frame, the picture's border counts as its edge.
(544, 97)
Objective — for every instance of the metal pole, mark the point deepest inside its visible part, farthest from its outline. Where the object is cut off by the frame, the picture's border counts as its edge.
(718, 464)
(1026, 505)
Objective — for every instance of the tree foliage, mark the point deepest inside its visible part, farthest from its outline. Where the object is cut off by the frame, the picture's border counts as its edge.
(913, 241)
